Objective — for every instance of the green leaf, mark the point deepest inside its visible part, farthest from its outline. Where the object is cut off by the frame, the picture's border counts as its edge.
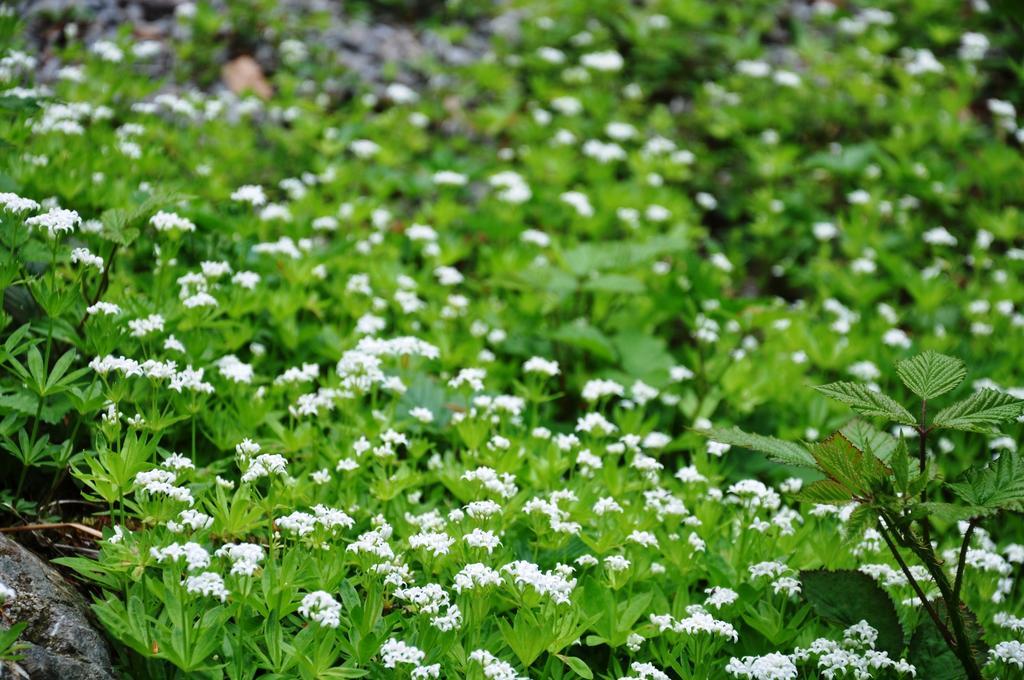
(588, 338)
(931, 374)
(932, 656)
(643, 356)
(862, 518)
(123, 225)
(900, 463)
(615, 283)
(778, 450)
(37, 370)
(869, 439)
(995, 485)
(949, 512)
(578, 666)
(825, 491)
(847, 465)
(848, 597)
(9, 646)
(980, 412)
(867, 402)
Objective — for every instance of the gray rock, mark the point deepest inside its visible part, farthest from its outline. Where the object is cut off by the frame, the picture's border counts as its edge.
(62, 642)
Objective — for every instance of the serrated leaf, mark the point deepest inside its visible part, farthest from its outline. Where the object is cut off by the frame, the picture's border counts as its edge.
(949, 512)
(869, 439)
(847, 465)
(848, 597)
(930, 374)
(867, 402)
(995, 485)
(980, 412)
(778, 450)
(900, 464)
(862, 518)
(826, 491)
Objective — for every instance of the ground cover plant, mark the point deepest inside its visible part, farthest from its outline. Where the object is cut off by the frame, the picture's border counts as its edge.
(508, 370)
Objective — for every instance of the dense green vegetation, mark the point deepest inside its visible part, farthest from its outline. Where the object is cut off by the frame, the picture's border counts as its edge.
(475, 379)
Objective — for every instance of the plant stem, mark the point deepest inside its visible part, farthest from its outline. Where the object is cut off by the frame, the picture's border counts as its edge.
(922, 459)
(943, 630)
(963, 649)
(962, 561)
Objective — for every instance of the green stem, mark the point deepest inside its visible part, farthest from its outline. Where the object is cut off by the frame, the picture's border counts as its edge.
(922, 459)
(943, 630)
(962, 647)
(961, 563)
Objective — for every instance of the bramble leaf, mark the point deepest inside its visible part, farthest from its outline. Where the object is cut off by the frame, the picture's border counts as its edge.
(900, 463)
(778, 450)
(996, 485)
(980, 412)
(867, 402)
(869, 439)
(824, 491)
(930, 374)
(847, 465)
(848, 597)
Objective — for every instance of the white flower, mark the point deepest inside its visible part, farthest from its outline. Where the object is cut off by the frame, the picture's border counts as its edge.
(449, 178)
(424, 415)
(57, 221)
(16, 204)
(939, 236)
(207, 583)
(486, 540)
(476, 575)
(320, 607)
(579, 202)
(169, 221)
(394, 652)
(154, 323)
(608, 61)
(774, 666)
(364, 148)
(1010, 652)
(245, 557)
(252, 194)
(83, 256)
(719, 597)
(825, 231)
(196, 556)
(542, 366)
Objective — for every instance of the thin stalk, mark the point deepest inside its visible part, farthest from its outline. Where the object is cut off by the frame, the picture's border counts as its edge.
(962, 648)
(922, 459)
(943, 630)
(962, 561)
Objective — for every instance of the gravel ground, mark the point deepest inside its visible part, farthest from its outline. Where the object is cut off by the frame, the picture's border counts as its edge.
(362, 47)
